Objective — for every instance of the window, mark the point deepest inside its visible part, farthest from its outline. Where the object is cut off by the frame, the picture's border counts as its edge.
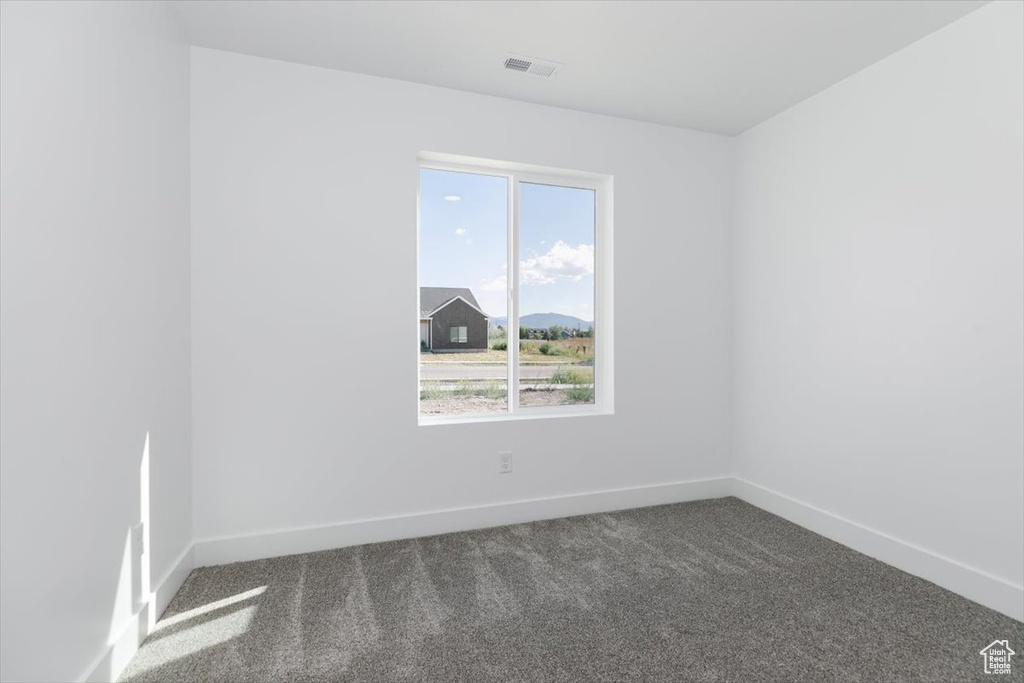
(515, 262)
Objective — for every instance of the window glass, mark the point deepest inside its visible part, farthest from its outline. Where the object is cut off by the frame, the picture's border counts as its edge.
(463, 255)
(509, 307)
(556, 295)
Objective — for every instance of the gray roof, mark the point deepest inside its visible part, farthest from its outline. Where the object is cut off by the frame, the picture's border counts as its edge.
(432, 298)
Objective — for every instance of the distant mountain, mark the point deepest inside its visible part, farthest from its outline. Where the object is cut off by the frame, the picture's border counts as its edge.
(542, 321)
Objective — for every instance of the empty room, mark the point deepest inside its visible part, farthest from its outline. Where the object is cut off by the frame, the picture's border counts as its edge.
(511, 341)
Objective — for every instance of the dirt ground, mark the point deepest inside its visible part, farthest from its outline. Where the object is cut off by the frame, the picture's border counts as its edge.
(557, 397)
(473, 405)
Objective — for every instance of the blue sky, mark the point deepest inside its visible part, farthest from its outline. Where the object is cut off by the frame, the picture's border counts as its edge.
(463, 242)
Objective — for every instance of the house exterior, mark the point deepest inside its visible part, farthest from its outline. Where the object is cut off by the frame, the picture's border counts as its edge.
(451, 320)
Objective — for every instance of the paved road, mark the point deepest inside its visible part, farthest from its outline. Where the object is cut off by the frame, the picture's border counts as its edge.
(479, 371)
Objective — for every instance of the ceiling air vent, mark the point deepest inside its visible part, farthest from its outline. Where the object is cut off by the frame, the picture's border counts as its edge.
(516, 64)
(529, 65)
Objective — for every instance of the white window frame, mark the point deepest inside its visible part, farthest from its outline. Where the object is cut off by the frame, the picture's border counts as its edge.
(461, 335)
(604, 329)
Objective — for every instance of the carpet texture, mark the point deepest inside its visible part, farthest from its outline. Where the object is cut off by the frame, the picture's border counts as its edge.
(708, 591)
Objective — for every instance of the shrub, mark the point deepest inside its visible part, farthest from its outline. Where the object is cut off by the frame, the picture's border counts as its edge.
(565, 375)
(580, 394)
(553, 350)
(500, 346)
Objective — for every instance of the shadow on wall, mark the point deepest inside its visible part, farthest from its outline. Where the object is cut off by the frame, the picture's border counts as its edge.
(215, 620)
(131, 617)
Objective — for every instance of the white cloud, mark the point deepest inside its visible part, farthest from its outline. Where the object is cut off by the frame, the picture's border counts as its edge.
(460, 231)
(498, 284)
(562, 262)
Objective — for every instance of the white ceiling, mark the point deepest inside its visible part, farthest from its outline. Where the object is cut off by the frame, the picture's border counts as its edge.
(720, 66)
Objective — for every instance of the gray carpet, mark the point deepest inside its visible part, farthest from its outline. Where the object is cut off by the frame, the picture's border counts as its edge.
(707, 591)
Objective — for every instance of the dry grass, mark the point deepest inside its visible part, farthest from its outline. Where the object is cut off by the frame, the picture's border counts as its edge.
(569, 352)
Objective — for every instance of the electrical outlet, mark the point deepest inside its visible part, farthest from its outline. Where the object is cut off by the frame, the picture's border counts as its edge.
(505, 462)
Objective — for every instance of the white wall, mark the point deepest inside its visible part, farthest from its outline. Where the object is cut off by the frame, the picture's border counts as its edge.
(304, 238)
(879, 368)
(94, 330)
(878, 304)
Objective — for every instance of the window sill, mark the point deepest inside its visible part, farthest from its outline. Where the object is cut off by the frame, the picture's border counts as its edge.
(524, 414)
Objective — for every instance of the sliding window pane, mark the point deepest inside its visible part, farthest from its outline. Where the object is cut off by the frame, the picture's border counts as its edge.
(556, 295)
(463, 256)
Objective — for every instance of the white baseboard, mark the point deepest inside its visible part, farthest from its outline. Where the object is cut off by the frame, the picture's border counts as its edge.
(115, 657)
(970, 582)
(171, 582)
(303, 540)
